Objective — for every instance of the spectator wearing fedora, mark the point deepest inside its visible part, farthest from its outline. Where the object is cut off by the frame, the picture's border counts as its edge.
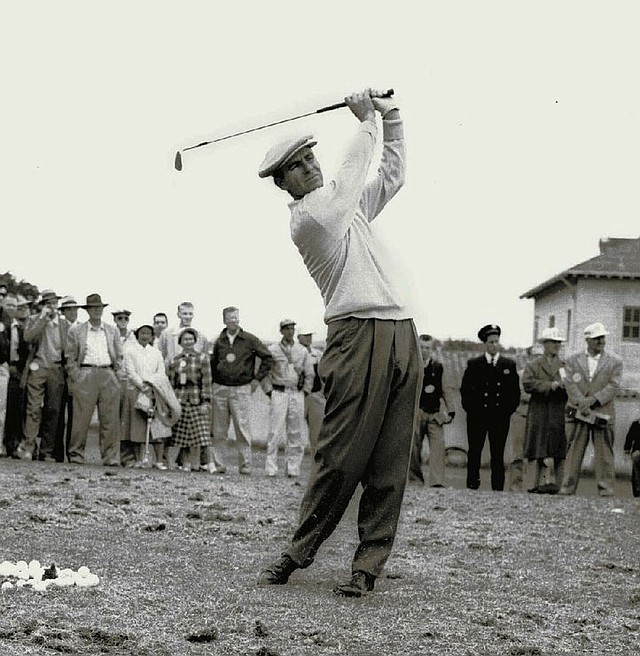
(490, 394)
(47, 334)
(236, 376)
(94, 355)
(69, 310)
(314, 403)
(290, 379)
(545, 443)
(592, 381)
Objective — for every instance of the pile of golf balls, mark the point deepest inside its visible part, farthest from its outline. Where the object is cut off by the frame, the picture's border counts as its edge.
(33, 575)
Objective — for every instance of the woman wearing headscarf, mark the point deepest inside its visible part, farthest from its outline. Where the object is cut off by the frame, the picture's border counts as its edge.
(190, 376)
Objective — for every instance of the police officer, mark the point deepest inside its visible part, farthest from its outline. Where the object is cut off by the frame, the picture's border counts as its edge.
(490, 395)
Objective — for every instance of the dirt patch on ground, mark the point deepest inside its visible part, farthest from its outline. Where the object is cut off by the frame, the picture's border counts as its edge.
(178, 555)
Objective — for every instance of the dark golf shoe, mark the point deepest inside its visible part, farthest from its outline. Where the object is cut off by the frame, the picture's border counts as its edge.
(359, 585)
(278, 573)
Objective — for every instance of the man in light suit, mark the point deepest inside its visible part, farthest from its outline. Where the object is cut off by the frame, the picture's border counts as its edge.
(94, 356)
(591, 380)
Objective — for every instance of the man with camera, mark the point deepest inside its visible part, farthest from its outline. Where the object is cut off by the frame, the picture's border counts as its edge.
(46, 333)
(591, 380)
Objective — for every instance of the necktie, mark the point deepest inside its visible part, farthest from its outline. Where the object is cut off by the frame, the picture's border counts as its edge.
(493, 361)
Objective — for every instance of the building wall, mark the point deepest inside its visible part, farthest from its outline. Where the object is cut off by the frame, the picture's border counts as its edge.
(604, 300)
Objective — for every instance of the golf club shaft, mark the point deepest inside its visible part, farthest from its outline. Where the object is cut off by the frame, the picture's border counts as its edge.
(328, 108)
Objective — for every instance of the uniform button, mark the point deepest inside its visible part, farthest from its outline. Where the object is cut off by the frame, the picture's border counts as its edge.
(486, 393)
(498, 384)
(485, 405)
(497, 393)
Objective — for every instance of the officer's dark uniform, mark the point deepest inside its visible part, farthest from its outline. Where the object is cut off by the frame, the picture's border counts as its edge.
(490, 395)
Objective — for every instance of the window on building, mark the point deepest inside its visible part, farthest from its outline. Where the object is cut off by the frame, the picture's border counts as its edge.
(552, 321)
(536, 328)
(568, 325)
(631, 323)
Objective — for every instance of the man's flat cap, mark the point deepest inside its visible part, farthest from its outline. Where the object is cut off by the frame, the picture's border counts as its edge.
(486, 331)
(279, 154)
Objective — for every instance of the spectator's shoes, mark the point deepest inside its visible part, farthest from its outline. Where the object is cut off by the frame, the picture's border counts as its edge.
(359, 585)
(279, 572)
(23, 454)
(245, 470)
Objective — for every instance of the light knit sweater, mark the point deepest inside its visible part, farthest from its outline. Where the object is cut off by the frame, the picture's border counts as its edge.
(331, 226)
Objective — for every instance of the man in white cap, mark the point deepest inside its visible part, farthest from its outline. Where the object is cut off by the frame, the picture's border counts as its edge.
(592, 381)
(371, 366)
(289, 381)
(235, 378)
(545, 444)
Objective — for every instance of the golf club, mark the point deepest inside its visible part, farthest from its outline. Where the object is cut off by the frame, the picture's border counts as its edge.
(328, 108)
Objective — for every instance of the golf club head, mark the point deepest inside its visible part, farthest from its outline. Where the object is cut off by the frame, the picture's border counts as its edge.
(178, 161)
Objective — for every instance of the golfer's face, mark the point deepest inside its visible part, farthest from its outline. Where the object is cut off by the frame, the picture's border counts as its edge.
(302, 174)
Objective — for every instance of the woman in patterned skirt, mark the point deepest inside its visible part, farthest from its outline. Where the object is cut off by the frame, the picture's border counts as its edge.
(190, 376)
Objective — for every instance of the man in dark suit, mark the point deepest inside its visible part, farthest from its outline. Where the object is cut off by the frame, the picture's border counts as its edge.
(490, 395)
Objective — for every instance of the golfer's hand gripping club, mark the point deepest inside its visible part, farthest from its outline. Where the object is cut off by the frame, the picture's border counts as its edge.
(328, 108)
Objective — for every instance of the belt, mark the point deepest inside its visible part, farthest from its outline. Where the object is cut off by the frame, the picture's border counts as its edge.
(282, 388)
(98, 366)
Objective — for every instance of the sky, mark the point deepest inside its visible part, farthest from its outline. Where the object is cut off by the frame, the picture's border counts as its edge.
(522, 125)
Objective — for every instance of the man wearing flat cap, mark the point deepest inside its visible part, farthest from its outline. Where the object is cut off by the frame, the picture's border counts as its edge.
(490, 394)
(94, 356)
(289, 381)
(592, 381)
(545, 444)
(371, 366)
(46, 333)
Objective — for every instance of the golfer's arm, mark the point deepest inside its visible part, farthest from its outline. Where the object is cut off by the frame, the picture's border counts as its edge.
(391, 173)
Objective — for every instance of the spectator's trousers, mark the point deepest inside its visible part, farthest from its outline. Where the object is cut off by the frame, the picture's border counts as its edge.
(96, 386)
(426, 425)
(496, 425)
(371, 370)
(286, 415)
(578, 433)
(231, 403)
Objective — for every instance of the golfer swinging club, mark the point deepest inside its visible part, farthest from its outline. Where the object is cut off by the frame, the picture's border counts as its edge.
(371, 367)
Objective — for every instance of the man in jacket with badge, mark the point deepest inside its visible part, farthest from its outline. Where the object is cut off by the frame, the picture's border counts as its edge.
(592, 379)
(436, 409)
(490, 394)
(236, 377)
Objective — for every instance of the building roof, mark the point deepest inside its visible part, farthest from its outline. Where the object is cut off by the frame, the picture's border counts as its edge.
(619, 258)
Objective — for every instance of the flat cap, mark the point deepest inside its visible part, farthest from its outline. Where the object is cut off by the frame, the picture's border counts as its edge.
(490, 329)
(126, 313)
(287, 322)
(279, 154)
